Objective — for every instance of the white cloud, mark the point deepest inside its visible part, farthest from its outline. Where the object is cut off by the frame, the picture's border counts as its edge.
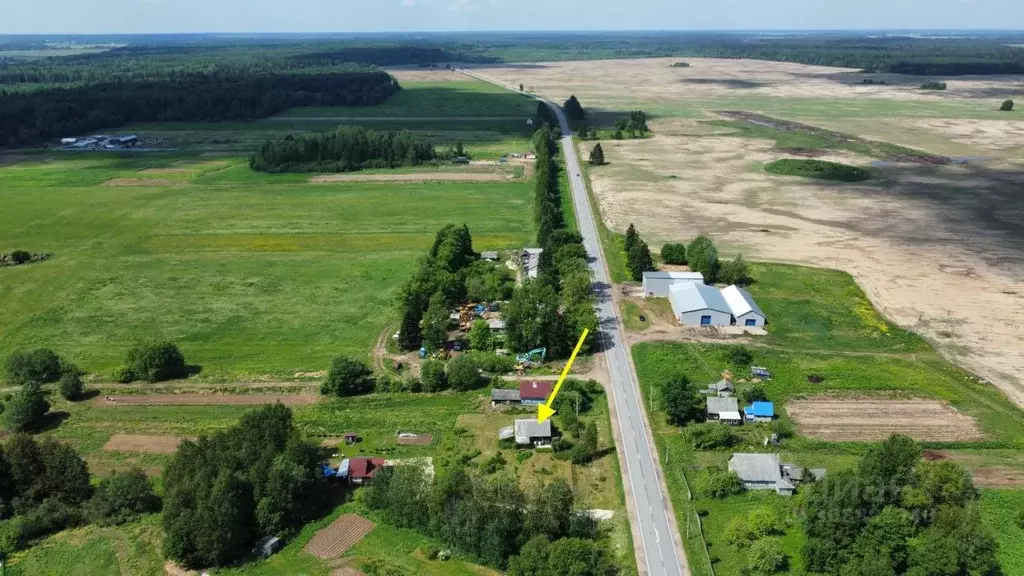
(462, 6)
(408, 2)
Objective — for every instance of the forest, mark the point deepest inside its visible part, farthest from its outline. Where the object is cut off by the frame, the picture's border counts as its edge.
(347, 149)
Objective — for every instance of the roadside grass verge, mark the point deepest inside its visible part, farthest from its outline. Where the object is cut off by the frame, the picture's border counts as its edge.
(818, 169)
(614, 244)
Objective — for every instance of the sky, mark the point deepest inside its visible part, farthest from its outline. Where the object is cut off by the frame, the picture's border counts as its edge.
(181, 16)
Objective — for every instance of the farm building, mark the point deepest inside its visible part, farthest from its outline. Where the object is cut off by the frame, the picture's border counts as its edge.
(745, 311)
(766, 472)
(534, 391)
(721, 388)
(697, 304)
(489, 255)
(362, 470)
(760, 412)
(530, 260)
(724, 409)
(267, 546)
(658, 283)
(504, 396)
(529, 432)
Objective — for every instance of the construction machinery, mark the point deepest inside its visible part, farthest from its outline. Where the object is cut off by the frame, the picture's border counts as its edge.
(533, 357)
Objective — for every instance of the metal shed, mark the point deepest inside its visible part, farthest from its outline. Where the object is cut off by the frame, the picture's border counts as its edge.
(658, 283)
(697, 304)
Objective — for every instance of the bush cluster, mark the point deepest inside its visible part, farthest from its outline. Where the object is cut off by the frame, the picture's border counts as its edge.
(820, 169)
(153, 362)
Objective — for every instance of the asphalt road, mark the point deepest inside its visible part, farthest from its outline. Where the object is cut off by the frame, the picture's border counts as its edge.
(660, 555)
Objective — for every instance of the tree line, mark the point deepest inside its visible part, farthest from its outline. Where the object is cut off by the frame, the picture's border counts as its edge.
(28, 117)
(346, 149)
(700, 255)
(552, 310)
(494, 521)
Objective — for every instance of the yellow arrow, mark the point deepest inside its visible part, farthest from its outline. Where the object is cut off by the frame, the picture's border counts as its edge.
(544, 411)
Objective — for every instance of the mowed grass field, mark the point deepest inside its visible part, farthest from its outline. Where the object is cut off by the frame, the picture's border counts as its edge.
(251, 274)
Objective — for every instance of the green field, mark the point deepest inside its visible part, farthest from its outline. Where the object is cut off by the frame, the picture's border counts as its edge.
(453, 99)
(251, 274)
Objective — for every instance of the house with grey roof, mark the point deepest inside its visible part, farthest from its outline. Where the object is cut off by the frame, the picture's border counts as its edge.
(530, 432)
(745, 311)
(697, 304)
(724, 409)
(657, 283)
(766, 472)
(504, 396)
(721, 388)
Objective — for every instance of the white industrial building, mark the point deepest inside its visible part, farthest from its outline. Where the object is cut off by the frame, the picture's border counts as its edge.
(745, 311)
(697, 304)
(658, 283)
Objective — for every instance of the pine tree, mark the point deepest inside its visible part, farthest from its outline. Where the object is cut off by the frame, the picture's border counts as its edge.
(631, 238)
(409, 334)
(435, 323)
(573, 109)
(639, 260)
(597, 155)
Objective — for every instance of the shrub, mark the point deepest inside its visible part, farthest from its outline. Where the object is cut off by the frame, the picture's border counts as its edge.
(25, 409)
(124, 375)
(347, 377)
(71, 386)
(493, 464)
(718, 483)
(1020, 518)
(490, 362)
(1007, 106)
(740, 357)
(755, 393)
(20, 256)
(734, 272)
(480, 335)
(783, 429)
(766, 556)
(463, 373)
(737, 532)
(39, 365)
(817, 169)
(764, 521)
(430, 551)
(709, 435)
(122, 497)
(933, 86)
(433, 376)
(673, 253)
(50, 516)
(156, 362)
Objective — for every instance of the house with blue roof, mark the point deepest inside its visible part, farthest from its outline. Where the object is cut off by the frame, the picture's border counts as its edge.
(759, 412)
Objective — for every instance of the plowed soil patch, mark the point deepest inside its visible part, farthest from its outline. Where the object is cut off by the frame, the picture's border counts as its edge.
(145, 443)
(421, 440)
(133, 182)
(205, 399)
(413, 177)
(998, 477)
(342, 534)
(877, 419)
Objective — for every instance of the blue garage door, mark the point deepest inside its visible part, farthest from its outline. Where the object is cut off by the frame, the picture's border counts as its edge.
(705, 320)
(750, 322)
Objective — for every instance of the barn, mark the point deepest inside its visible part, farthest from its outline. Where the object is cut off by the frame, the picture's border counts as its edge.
(697, 304)
(657, 284)
(744, 309)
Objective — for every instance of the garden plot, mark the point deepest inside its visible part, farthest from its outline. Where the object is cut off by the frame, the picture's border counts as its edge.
(145, 443)
(205, 399)
(339, 536)
(876, 419)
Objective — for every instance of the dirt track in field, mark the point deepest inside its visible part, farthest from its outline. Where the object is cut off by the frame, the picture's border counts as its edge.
(413, 177)
(135, 182)
(205, 399)
(339, 536)
(145, 443)
(877, 419)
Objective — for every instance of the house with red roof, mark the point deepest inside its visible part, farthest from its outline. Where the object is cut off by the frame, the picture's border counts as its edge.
(534, 391)
(362, 470)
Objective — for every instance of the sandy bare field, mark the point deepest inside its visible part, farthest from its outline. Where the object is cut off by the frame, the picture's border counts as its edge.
(417, 74)
(938, 249)
(876, 419)
(145, 443)
(339, 536)
(413, 177)
(205, 399)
